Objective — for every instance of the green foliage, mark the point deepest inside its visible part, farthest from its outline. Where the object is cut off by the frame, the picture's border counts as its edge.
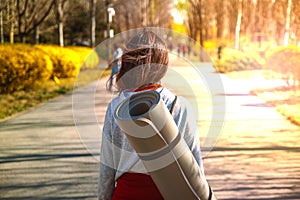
(285, 60)
(21, 66)
(234, 60)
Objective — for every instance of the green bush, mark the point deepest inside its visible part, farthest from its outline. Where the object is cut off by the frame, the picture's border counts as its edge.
(285, 60)
(235, 60)
(21, 66)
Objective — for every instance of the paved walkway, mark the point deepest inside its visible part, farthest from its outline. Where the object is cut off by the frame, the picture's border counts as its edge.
(257, 154)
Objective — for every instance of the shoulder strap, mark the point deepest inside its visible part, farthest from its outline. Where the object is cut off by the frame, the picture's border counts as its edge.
(173, 104)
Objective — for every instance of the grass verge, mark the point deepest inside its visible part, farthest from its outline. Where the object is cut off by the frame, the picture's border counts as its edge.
(22, 100)
(286, 100)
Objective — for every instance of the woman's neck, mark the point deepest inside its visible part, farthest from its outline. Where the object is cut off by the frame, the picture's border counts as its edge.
(151, 86)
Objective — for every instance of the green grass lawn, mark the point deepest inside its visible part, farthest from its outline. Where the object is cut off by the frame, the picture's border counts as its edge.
(22, 100)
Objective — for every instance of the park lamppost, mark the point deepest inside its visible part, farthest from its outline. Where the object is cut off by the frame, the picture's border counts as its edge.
(111, 12)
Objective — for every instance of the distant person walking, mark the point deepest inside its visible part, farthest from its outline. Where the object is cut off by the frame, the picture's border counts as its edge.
(115, 65)
(183, 50)
(189, 49)
(178, 50)
(220, 52)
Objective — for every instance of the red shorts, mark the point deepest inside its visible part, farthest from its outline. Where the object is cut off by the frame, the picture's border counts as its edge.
(134, 186)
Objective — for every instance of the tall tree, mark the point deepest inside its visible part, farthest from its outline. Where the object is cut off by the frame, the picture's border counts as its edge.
(159, 13)
(238, 25)
(232, 14)
(2, 6)
(195, 18)
(247, 9)
(295, 22)
(279, 16)
(60, 23)
(31, 14)
(92, 22)
(78, 25)
(287, 23)
(199, 8)
(36, 28)
(139, 13)
(11, 19)
(219, 7)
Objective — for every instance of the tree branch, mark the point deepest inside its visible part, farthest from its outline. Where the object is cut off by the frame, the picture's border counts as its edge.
(21, 13)
(38, 22)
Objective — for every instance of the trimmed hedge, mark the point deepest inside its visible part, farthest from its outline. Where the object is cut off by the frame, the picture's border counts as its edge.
(286, 61)
(235, 60)
(22, 65)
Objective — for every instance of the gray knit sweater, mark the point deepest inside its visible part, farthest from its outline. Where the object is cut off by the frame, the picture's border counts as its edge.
(117, 156)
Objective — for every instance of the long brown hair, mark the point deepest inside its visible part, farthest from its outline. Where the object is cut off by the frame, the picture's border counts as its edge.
(144, 62)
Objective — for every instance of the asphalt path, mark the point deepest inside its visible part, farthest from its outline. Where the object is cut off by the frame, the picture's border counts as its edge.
(249, 150)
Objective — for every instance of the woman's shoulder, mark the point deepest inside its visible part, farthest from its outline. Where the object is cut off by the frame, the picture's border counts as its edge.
(118, 99)
(167, 96)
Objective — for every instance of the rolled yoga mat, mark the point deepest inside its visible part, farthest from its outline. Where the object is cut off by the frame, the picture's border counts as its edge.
(152, 132)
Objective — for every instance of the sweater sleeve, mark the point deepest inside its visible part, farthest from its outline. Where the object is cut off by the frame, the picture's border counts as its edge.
(187, 124)
(107, 170)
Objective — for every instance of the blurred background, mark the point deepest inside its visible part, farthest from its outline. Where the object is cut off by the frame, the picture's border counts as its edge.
(85, 22)
(236, 35)
(49, 48)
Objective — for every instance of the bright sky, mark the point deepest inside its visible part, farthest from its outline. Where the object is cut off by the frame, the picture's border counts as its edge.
(178, 18)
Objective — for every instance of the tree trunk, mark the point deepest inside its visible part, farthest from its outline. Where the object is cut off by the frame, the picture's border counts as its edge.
(201, 30)
(144, 11)
(61, 34)
(287, 24)
(220, 18)
(200, 22)
(60, 23)
(127, 21)
(254, 12)
(151, 13)
(238, 26)
(11, 19)
(1, 27)
(21, 13)
(93, 22)
(36, 35)
(36, 29)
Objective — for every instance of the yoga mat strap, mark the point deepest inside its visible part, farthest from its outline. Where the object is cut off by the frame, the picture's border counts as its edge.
(173, 104)
(210, 193)
(162, 152)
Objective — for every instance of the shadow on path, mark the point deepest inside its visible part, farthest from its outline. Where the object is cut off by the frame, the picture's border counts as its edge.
(42, 156)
